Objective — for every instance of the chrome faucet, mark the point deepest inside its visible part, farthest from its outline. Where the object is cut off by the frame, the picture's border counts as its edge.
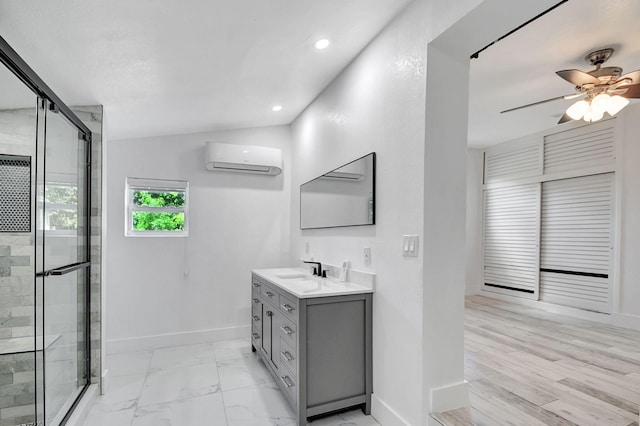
(317, 270)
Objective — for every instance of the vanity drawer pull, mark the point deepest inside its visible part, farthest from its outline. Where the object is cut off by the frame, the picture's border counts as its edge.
(268, 313)
(287, 307)
(268, 293)
(256, 318)
(286, 381)
(256, 300)
(286, 355)
(286, 329)
(256, 336)
(256, 285)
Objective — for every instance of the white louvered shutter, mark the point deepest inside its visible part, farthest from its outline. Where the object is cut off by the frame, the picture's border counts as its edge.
(501, 165)
(585, 146)
(576, 241)
(511, 233)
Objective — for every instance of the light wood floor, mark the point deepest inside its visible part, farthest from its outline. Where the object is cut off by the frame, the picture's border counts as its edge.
(526, 366)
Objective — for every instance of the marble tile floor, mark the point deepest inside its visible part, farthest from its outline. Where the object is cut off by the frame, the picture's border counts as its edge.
(214, 384)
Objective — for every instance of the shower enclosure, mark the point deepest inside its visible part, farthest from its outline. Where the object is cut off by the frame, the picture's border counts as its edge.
(45, 161)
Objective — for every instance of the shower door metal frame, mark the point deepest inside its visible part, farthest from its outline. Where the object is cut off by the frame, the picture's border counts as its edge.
(12, 60)
(19, 67)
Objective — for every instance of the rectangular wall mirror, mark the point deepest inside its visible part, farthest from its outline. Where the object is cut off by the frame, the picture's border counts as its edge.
(342, 197)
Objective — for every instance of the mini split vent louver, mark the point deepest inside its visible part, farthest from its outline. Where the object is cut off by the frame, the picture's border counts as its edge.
(224, 157)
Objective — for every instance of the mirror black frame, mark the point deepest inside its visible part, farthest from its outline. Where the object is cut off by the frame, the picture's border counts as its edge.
(373, 191)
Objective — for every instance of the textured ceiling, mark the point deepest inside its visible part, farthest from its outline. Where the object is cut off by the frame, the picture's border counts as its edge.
(168, 67)
(520, 69)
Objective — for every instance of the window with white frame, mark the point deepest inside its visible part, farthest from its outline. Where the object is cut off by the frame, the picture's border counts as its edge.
(156, 208)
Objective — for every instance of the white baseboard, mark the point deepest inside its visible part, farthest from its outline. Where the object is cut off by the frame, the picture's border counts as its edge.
(104, 379)
(84, 405)
(617, 319)
(384, 414)
(449, 397)
(146, 343)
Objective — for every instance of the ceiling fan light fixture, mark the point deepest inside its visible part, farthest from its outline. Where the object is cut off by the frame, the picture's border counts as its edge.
(601, 103)
(592, 115)
(578, 109)
(616, 103)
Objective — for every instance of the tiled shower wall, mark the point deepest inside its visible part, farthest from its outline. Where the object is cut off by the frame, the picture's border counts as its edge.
(92, 117)
(17, 370)
(17, 137)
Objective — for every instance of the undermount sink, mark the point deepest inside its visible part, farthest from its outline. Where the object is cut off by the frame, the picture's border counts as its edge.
(304, 283)
(292, 276)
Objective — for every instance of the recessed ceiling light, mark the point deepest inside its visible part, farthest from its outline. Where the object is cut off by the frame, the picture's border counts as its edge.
(276, 108)
(322, 44)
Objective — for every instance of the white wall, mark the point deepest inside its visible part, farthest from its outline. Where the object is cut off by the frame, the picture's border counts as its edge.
(473, 272)
(630, 215)
(173, 290)
(627, 311)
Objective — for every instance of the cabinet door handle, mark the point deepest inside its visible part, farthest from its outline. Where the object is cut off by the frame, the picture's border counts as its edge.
(256, 318)
(287, 307)
(286, 355)
(256, 336)
(256, 300)
(268, 313)
(286, 329)
(286, 381)
(256, 285)
(268, 293)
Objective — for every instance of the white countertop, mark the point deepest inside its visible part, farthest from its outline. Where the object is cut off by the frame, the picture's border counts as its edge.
(303, 285)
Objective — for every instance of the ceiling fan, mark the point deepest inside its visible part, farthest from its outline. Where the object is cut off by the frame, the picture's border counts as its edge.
(602, 90)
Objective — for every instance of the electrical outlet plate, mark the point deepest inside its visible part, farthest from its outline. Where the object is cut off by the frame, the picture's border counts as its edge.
(367, 255)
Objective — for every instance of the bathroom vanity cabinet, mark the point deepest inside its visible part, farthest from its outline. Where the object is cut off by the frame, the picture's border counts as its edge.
(317, 346)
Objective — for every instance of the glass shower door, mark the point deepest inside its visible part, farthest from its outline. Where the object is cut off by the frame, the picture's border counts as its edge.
(61, 287)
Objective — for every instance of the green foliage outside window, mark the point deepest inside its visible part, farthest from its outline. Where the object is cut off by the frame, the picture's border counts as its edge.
(162, 221)
(61, 194)
(61, 218)
(158, 221)
(158, 199)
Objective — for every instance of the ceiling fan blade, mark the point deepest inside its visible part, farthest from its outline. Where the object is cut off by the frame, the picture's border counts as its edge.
(633, 91)
(577, 77)
(634, 76)
(564, 118)
(570, 96)
(574, 95)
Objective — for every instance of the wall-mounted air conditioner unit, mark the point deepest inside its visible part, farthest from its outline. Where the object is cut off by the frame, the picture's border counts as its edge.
(225, 157)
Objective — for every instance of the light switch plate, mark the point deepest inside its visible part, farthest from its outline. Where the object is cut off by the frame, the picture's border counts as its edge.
(367, 255)
(410, 246)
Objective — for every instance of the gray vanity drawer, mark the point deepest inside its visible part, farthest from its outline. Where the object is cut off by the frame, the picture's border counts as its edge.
(270, 294)
(255, 336)
(289, 384)
(289, 332)
(255, 301)
(256, 315)
(288, 357)
(289, 307)
(256, 285)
